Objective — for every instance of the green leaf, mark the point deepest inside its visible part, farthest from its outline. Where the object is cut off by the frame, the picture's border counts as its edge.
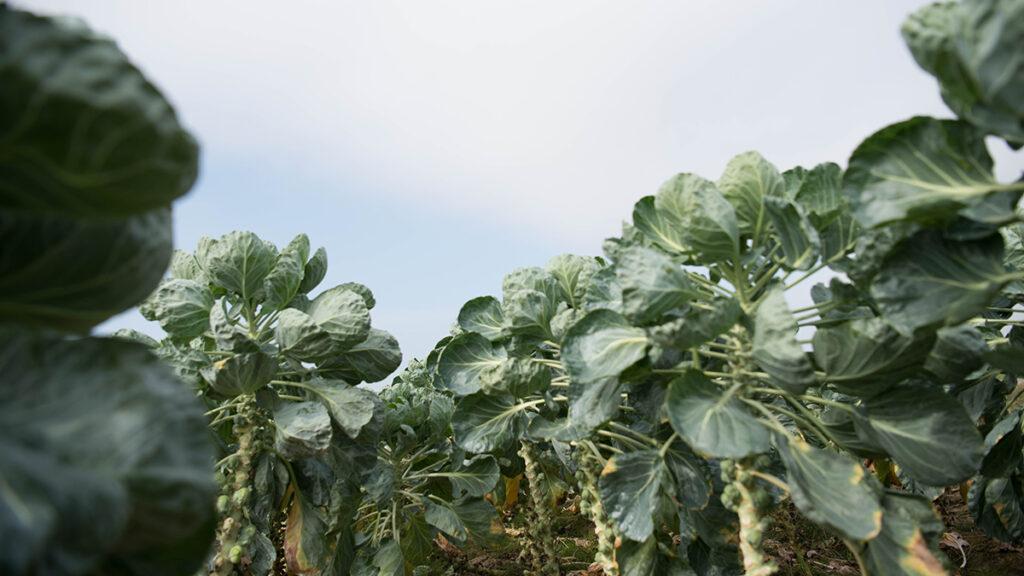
(303, 430)
(364, 292)
(516, 376)
(831, 489)
(601, 346)
(314, 271)
(820, 192)
(483, 315)
(343, 314)
(83, 132)
(712, 420)
(604, 291)
(973, 49)
(529, 313)
(929, 281)
(866, 355)
(958, 351)
(693, 484)
(631, 487)
(305, 542)
(921, 170)
(749, 179)
(240, 374)
(239, 262)
(461, 519)
(301, 338)
(908, 542)
(572, 273)
(372, 360)
(475, 478)
(689, 216)
(648, 558)
(797, 236)
(997, 505)
(927, 432)
(71, 274)
(695, 326)
(464, 359)
(181, 306)
(184, 266)
(775, 348)
(652, 284)
(106, 460)
(350, 407)
(1004, 447)
(282, 282)
(591, 404)
(488, 423)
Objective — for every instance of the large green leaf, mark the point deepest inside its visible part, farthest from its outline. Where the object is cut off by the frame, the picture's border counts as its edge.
(372, 360)
(516, 376)
(866, 355)
(689, 216)
(929, 281)
(997, 505)
(604, 291)
(181, 306)
(483, 315)
(572, 273)
(775, 348)
(349, 406)
(343, 313)
(461, 519)
(749, 179)
(652, 284)
(908, 542)
(601, 346)
(82, 131)
(314, 271)
(711, 421)
(959, 350)
(239, 262)
(973, 49)
(106, 460)
(475, 478)
(282, 282)
(240, 373)
(831, 489)
(488, 423)
(1004, 447)
(696, 325)
(927, 432)
(464, 359)
(820, 192)
(922, 170)
(303, 430)
(631, 488)
(70, 273)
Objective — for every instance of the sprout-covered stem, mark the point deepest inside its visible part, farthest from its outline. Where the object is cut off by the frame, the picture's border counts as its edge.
(749, 500)
(540, 530)
(235, 529)
(591, 506)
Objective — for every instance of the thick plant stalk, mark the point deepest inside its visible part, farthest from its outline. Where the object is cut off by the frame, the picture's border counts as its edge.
(235, 529)
(591, 506)
(540, 530)
(748, 500)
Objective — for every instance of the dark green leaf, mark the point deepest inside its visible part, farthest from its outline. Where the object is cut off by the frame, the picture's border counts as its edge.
(464, 359)
(71, 274)
(350, 407)
(84, 132)
(314, 271)
(797, 235)
(240, 374)
(697, 325)
(631, 488)
(239, 262)
(652, 284)
(997, 505)
(712, 420)
(343, 313)
(749, 179)
(1004, 447)
(181, 306)
(483, 315)
(865, 356)
(372, 360)
(689, 216)
(282, 282)
(908, 542)
(831, 489)
(775, 348)
(484, 423)
(604, 291)
(601, 346)
(303, 430)
(305, 543)
(475, 478)
(958, 351)
(572, 273)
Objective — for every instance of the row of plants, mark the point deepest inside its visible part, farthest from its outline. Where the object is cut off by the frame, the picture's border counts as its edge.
(687, 398)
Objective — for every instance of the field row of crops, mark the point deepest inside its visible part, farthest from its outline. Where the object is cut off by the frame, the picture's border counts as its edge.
(666, 393)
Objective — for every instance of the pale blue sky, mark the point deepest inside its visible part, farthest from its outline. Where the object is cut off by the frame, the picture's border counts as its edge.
(433, 146)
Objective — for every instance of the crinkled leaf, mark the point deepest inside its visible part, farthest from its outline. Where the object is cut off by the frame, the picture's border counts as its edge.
(282, 282)
(749, 179)
(483, 315)
(631, 488)
(464, 359)
(775, 348)
(927, 432)
(831, 489)
(314, 271)
(72, 273)
(372, 360)
(241, 373)
(866, 355)
(488, 423)
(921, 170)
(350, 407)
(516, 376)
(303, 430)
(797, 235)
(712, 422)
(84, 132)
(689, 216)
(652, 284)
(240, 261)
(343, 314)
(604, 291)
(997, 505)
(572, 273)
(181, 306)
(106, 460)
(929, 281)
(697, 325)
(302, 338)
(601, 346)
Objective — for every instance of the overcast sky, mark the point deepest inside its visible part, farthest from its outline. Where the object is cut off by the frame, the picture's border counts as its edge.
(433, 146)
